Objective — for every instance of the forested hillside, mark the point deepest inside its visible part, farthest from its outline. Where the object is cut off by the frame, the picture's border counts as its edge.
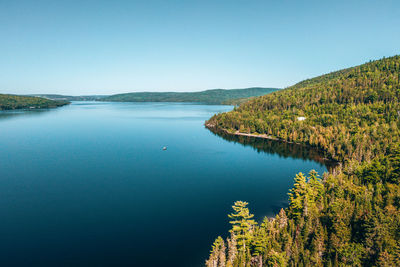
(215, 96)
(20, 102)
(70, 97)
(349, 217)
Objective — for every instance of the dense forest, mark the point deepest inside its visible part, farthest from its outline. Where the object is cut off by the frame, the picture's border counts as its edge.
(348, 217)
(21, 102)
(215, 96)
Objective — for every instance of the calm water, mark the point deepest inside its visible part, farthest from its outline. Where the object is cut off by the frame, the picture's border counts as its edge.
(89, 183)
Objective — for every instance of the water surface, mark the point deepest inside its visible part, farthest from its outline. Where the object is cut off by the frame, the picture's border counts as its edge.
(89, 184)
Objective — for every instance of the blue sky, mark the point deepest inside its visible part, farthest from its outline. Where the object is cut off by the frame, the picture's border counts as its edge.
(103, 47)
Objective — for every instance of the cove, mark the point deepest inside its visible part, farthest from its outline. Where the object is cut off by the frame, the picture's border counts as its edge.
(89, 183)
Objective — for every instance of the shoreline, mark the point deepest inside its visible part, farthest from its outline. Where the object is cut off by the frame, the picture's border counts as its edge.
(268, 137)
(33, 108)
(263, 136)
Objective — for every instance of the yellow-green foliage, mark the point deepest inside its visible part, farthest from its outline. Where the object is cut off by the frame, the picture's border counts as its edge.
(352, 216)
(351, 113)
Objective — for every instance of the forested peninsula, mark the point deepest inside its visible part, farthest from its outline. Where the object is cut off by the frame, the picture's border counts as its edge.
(349, 217)
(8, 102)
(214, 96)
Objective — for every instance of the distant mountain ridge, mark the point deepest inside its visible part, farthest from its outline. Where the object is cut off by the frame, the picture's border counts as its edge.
(212, 96)
(70, 97)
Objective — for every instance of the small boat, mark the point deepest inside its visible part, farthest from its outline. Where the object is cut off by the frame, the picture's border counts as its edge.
(164, 148)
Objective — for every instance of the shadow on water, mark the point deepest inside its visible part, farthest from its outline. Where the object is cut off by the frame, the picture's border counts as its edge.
(280, 148)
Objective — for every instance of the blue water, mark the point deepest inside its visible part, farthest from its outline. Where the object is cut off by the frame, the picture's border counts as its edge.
(89, 185)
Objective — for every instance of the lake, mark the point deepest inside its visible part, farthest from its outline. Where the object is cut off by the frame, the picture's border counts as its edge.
(89, 184)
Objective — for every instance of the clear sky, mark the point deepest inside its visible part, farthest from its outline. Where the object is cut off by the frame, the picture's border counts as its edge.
(103, 47)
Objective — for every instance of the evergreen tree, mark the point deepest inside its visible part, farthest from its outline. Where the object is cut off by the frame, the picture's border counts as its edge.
(352, 217)
(242, 225)
(217, 256)
(297, 196)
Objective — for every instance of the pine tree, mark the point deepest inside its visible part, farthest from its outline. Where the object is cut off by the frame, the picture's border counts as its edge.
(232, 251)
(297, 196)
(242, 225)
(395, 165)
(315, 192)
(217, 256)
(352, 217)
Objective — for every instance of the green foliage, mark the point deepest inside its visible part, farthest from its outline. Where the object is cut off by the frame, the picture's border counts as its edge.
(297, 195)
(215, 96)
(306, 195)
(19, 102)
(217, 256)
(394, 161)
(351, 217)
(242, 225)
(341, 116)
(275, 259)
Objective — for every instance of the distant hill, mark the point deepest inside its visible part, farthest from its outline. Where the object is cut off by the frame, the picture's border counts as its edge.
(214, 96)
(19, 102)
(70, 97)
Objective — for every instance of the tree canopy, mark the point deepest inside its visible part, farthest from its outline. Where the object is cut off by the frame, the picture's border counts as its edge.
(215, 96)
(350, 216)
